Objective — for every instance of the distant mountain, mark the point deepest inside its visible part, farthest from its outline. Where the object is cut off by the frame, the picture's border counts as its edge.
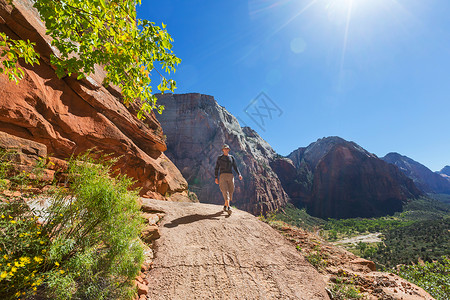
(332, 177)
(445, 172)
(335, 178)
(424, 178)
(196, 127)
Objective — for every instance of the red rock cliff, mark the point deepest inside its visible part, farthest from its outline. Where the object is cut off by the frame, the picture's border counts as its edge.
(197, 127)
(70, 116)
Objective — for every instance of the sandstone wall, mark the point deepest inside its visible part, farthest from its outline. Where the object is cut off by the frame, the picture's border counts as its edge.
(70, 116)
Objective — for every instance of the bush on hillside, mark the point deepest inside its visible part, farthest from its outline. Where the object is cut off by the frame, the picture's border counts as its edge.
(434, 277)
(85, 245)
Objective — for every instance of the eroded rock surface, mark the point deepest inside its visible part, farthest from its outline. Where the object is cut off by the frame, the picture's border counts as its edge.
(339, 266)
(204, 254)
(70, 116)
(196, 128)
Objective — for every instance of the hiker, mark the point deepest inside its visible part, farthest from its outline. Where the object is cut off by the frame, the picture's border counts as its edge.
(224, 166)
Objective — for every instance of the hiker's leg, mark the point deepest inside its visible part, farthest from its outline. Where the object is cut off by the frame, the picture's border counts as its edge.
(231, 186)
(223, 188)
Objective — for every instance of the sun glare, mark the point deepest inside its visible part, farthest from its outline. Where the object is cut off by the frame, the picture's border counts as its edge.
(352, 19)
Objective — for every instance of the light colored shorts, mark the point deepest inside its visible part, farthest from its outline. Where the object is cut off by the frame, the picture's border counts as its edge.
(226, 184)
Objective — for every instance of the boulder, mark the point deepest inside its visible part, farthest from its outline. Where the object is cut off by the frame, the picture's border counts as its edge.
(150, 219)
(142, 289)
(57, 164)
(150, 233)
(22, 151)
(364, 262)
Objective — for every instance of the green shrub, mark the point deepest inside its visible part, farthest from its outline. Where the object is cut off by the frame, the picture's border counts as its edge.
(88, 244)
(342, 291)
(317, 258)
(11, 177)
(297, 217)
(5, 163)
(424, 240)
(23, 247)
(434, 277)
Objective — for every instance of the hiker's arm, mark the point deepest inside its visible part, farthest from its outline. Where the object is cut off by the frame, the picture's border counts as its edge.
(236, 169)
(216, 170)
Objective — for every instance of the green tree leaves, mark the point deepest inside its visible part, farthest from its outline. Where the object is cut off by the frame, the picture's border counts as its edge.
(10, 52)
(105, 33)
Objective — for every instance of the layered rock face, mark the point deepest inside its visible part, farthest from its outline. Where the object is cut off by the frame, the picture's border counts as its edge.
(424, 178)
(339, 179)
(70, 116)
(196, 128)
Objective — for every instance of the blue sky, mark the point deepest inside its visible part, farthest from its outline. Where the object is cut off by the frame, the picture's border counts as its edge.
(376, 72)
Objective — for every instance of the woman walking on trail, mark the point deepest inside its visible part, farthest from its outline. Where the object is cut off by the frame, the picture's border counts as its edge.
(224, 167)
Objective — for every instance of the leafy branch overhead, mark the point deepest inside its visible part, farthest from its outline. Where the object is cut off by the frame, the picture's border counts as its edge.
(106, 33)
(10, 52)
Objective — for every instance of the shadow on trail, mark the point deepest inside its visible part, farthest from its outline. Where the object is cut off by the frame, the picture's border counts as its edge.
(193, 218)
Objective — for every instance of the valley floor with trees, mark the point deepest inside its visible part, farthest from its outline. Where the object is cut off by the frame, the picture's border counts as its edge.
(415, 243)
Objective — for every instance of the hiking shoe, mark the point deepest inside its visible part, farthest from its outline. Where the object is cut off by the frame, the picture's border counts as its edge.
(224, 208)
(229, 210)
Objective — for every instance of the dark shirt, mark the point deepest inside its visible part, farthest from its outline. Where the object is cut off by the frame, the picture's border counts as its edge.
(225, 164)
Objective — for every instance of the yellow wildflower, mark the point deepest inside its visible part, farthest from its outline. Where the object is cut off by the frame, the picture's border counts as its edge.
(13, 269)
(57, 264)
(25, 260)
(38, 259)
(12, 222)
(5, 256)
(4, 274)
(62, 271)
(3, 216)
(38, 232)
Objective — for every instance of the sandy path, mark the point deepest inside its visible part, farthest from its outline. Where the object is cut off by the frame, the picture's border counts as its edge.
(204, 254)
(366, 238)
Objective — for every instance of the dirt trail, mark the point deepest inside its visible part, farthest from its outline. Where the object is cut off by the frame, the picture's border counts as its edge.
(366, 238)
(204, 254)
